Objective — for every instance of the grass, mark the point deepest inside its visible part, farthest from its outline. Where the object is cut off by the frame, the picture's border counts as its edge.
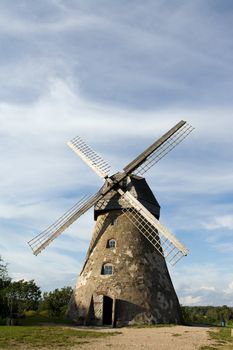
(39, 319)
(156, 325)
(57, 337)
(222, 339)
(224, 334)
(43, 332)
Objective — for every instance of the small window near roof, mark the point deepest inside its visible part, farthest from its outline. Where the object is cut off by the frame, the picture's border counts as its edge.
(111, 243)
(107, 269)
(114, 221)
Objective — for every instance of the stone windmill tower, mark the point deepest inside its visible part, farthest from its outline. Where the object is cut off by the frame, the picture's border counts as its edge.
(124, 279)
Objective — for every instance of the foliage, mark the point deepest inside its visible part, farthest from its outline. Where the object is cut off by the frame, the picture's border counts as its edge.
(207, 314)
(25, 297)
(41, 337)
(39, 319)
(22, 295)
(56, 302)
(30, 313)
(4, 282)
(44, 313)
(4, 278)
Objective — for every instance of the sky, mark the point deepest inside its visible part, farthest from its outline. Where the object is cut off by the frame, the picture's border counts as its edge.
(119, 74)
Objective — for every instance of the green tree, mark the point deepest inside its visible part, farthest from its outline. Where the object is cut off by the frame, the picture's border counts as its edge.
(207, 314)
(224, 313)
(186, 315)
(4, 283)
(56, 302)
(4, 278)
(23, 295)
(212, 315)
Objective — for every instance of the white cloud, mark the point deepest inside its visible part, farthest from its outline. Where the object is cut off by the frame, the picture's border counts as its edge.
(224, 222)
(229, 289)
(208, 281)
(57, 19)
(190, 300)
(208, 288)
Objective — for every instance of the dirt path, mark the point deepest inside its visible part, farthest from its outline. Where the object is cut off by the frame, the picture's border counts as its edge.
(164, 338)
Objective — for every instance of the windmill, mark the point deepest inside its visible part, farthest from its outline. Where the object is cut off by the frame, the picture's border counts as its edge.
(124, 279)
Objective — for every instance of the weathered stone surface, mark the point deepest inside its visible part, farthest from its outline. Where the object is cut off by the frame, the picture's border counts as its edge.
(139, 290)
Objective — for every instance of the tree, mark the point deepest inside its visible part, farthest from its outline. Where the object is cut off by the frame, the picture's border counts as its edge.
(224, 313)
(23, 295)
(212, 314)
(4, 282)
(56, 302)
(4, 278)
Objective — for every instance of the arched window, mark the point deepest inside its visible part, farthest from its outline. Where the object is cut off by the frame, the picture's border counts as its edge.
(107, 269)
(111, 243)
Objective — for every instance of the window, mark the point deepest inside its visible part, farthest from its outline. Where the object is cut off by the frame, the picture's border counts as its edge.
(114, 221)
(124, 183)
(111, 243)
(107, 269)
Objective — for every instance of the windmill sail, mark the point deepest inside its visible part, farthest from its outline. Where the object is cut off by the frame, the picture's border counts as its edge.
(42, 240)
(139, 166)
(165, 243)
(90, 157)
(159, 149)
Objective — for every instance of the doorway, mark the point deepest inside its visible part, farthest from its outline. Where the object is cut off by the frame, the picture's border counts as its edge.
(107, 310)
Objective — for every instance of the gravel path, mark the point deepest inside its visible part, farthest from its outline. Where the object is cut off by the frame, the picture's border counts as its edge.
(163, 338)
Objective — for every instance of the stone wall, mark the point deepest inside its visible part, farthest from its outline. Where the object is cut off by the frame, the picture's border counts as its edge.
(140, 284)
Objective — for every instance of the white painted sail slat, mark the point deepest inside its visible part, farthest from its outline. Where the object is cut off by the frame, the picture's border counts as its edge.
(43, 239)
(166, 243)
(90, 157)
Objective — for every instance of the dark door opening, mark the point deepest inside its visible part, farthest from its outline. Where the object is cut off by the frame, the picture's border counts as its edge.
(107, 310)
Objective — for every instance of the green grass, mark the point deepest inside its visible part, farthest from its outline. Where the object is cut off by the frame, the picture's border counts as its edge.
(156, 325)
(222, 338)
(224, 334)
(24, 337)
(39, 319)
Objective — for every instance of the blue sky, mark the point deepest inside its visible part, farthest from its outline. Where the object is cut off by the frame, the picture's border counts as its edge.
(119, 74)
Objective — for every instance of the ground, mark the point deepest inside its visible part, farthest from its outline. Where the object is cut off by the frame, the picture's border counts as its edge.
(161, 338)
(57, 336)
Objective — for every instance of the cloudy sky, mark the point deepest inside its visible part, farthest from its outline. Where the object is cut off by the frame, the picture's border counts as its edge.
(119, 74)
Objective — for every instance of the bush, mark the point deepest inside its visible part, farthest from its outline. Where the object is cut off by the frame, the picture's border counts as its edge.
(55, 302)
(207, 314)
(30, 313)
(44, 313)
